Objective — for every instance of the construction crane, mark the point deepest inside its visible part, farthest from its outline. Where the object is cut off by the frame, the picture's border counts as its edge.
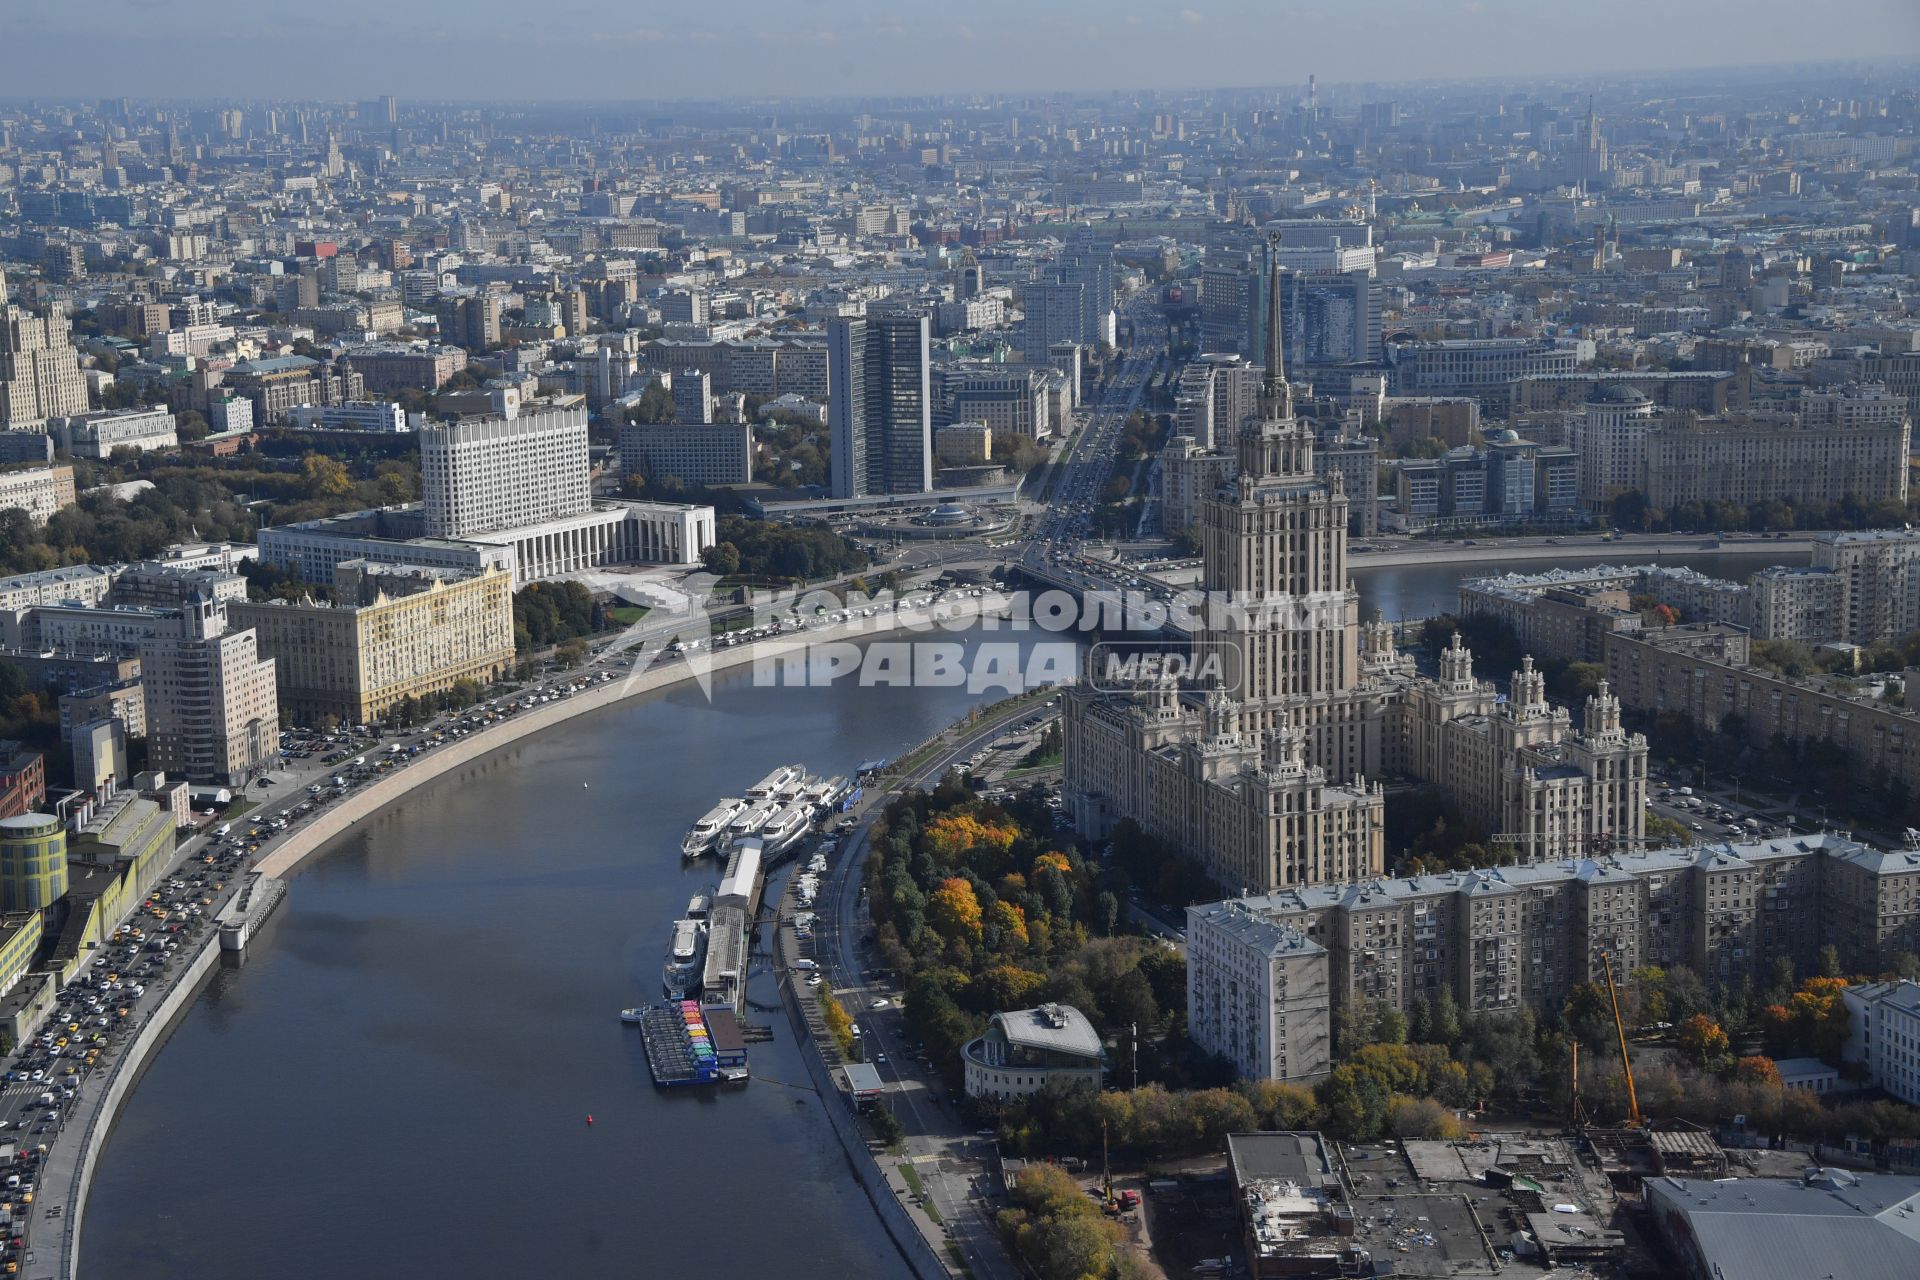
(1578, 1110)
(1620, 1029)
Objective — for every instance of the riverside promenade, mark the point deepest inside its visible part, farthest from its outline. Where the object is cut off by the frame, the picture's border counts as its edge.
(68, 1171)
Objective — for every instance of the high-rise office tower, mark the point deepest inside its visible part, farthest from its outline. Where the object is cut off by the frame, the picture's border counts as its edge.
(40, 375)
(1331, 317)
(1055, 313)
(1089, 263)
(880, 405)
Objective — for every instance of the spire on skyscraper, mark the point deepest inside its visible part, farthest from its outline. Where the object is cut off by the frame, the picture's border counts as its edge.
(1276, 394)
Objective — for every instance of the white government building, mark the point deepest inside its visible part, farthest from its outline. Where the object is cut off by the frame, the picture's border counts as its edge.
(511, 491)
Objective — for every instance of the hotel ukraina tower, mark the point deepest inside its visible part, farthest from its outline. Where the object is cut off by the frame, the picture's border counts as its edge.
(1267, 772)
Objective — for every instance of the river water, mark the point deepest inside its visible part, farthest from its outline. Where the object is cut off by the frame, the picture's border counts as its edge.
(1421, 591)
(397, 1082)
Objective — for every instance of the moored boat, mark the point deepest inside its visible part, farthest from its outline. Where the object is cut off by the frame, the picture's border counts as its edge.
(686, 952)
(787, 826)
(778, 785)
(711, 826)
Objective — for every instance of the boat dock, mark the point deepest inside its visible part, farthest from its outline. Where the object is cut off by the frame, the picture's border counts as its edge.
(679, 1044)
(730, 927)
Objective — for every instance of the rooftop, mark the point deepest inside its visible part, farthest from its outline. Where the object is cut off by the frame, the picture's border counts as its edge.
(1060, 1028)
(1386, 891)
(1760, 1228)
(1297, 1154)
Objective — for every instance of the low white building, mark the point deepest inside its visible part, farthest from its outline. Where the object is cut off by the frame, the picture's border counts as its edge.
(609, 533)
(355, 415)
(97, 435)
(1810, 1074)
(1024, 1051)
(1883, 1034)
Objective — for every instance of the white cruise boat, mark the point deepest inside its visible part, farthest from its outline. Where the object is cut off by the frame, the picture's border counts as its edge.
(751, 820)
(712, 826)
(787, 826)
(778, 785)
(825, 794)
(686, 952)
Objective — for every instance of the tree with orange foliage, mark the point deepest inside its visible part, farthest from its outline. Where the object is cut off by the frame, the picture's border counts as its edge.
(1055, 859)
(951, 836)
(1701, 1041)
(954, 911)
(1812, 1023)
(1758, 1069)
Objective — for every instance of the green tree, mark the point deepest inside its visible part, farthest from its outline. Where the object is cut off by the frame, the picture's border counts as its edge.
(1829, 961)
(1354, 1102)
(326, 477)
(1446, 1017)
(1588, 1014)
(1420, 1018)
(655, 405)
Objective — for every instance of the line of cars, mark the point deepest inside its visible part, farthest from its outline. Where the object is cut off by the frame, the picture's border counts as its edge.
(92, 1014)
(1682, 798)
(373, 761)
(791, 623)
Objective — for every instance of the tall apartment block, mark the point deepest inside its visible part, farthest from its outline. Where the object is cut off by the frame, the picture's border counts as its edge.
(692, 396)
(212, 713)
(471, 322)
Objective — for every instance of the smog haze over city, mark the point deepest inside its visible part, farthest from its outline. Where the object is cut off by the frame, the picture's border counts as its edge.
(481, 50)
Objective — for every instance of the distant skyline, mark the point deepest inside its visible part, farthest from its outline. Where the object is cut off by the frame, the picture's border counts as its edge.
(572, 50)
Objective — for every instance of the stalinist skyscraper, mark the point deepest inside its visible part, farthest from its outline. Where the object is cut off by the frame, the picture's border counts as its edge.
(1274, 548)
(1262, 769)
(39, 373)
(1261, 774)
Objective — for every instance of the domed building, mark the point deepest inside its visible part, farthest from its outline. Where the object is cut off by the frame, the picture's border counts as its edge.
(949, 514)
(1610, 439)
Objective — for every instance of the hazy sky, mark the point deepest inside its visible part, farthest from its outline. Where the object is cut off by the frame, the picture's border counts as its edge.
(634, 49)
